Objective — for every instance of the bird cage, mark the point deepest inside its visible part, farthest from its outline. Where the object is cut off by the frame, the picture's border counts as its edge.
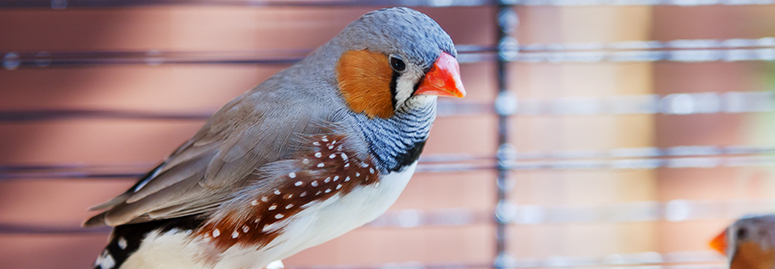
(596, 133)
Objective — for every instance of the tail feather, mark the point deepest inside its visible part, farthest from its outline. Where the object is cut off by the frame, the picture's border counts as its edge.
(98, 220)
(126, 239)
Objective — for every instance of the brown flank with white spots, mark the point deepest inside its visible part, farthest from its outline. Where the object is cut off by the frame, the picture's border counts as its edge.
(325, 170)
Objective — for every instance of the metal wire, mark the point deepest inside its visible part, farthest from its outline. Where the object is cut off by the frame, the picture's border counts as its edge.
(506, 21)
(618, 158)
(512, 214)
(695, 50)
(645, 260)
(673, 104)
(64, 4)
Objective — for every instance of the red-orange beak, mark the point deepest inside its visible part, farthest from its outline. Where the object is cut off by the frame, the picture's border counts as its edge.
(443, 79)
(720, 243)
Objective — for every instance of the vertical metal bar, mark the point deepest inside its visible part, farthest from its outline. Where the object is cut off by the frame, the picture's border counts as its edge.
(505, 105)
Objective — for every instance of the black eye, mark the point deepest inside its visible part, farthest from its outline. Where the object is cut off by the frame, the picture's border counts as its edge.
(742, 234)
(397, 64)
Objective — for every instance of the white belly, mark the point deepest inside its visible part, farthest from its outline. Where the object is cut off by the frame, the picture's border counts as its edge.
(318, 223)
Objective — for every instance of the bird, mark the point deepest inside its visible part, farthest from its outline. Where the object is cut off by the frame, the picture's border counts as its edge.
(316, 150)
(749, 243)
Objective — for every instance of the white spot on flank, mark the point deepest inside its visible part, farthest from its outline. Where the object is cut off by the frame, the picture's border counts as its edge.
(289, 206)
(254, 202)
(279, 216)
(277, 192)
(298, 183)
(122, 243)
(328, 190)
(245, 228)
(234, 234)
(318, 193)
(303, 194)
(332, 156)
(305, 161)
(371, 170)
(336, 178)
(364, 165)
(344, 157)
(289, 196)
(357, 174)
(292, 175)
(331, 147)
(318, 155)
(314, 183)
(321, 165)
(346, 179)
(328, 179)
(324, 139)
(264, 199)
(273, 207)
(346, 165)
(333, 142)
(316, 143)
(338, 186)
(216, 232)
(105, 260)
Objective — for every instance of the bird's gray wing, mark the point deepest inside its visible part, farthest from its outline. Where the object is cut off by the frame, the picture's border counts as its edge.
(250, 131)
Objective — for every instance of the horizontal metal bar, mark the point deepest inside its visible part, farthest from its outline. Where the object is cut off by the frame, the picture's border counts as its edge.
(527, 214)
(696, 50)
(685, 259)
(68, 114)
(64, 4)
(673, 104)
(619, 158)
(13, 60)
(445, 109)
(672, 211)
(681, 50)
(39, 230)
(671, 260)
(643, 152)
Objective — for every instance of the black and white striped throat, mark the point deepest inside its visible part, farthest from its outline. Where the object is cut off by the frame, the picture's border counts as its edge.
(397, 142)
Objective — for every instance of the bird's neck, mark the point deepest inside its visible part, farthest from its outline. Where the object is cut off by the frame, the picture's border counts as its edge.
(397, 142)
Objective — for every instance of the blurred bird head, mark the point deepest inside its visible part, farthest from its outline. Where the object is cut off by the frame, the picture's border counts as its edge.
(749, 242)
(393, 60)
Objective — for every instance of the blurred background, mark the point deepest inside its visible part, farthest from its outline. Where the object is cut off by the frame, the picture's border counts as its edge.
(596, 133)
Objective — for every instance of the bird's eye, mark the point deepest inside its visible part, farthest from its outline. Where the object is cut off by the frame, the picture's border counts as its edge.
(396, 63)
(742, 234)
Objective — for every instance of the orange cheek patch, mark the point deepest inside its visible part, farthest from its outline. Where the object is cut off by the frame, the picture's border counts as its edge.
(364, 80)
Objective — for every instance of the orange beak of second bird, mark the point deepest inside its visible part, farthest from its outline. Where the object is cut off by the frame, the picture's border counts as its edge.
(443, 79)
(719, 243)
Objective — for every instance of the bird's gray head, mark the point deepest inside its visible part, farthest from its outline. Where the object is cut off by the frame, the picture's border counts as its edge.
(395, 59)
